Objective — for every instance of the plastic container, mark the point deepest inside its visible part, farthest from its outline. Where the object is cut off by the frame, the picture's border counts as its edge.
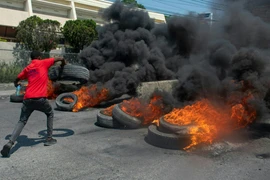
(18, 89)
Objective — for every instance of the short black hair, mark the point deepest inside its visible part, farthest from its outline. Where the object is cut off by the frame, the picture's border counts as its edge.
(35, 55)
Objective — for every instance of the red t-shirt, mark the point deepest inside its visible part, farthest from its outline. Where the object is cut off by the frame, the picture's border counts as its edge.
(37, 75)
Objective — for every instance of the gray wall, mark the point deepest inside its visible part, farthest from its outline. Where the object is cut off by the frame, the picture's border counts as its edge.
(6, 49)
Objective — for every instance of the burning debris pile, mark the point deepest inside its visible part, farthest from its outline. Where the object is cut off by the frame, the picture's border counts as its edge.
(222, 69)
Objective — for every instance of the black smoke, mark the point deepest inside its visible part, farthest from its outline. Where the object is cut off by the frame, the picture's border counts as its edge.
(205, 57)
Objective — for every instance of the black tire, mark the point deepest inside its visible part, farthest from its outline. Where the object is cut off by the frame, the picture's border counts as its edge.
(69, 72)
(64, 88)
(166, 140)
(107, 121)
(125, 119)
(15, 98)
(63, 105)
(167, 127)
(54, 73)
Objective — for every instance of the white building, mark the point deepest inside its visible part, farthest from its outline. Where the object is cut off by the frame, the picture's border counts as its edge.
(14, 11)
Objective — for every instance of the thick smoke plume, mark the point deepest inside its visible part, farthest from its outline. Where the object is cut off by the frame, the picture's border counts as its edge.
(209, 60)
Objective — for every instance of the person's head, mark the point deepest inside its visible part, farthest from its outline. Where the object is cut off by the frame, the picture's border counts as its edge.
(35, 55)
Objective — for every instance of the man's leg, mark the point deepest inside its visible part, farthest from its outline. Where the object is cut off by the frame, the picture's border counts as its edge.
(25, 113)
(47, 109)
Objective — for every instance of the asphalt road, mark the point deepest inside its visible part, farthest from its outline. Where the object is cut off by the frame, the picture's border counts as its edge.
(87, 152)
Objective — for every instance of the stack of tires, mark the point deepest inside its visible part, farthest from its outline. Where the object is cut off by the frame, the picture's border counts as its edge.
(168, 136)
(68, 73)
(165, 135)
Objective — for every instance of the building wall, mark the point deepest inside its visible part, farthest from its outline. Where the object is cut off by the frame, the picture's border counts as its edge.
(10, 17)
(14, 11)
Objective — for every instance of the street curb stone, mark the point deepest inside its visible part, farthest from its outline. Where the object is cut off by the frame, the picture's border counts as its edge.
(6, 89)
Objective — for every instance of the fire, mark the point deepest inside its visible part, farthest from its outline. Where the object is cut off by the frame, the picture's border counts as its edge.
(243, 112)
(156, 122)
(89, 97)
(211, 121)
(108, 110)
(23, 88)
(145, 111)
(51, 90)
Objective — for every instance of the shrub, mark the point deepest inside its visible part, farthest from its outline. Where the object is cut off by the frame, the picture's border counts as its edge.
(3, 40)
(9, 72)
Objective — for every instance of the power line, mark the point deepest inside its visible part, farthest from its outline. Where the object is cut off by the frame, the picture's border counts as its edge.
(162, 2)
(211, 3)
(186, 3)
(167, 12)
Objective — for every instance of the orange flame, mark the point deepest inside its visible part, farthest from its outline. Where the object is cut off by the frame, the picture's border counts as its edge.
(23, 88)
(108, 110)
(68, 99)
(210, 120)
(51, 89)
(89, 97)
(144, 111)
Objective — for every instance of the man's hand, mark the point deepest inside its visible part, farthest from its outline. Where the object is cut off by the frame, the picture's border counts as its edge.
(63, 61)
(16, 82)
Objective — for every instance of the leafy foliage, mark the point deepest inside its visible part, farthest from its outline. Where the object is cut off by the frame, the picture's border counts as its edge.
(37, 34)
(134, 2)
(2, 40)
(80, 33)
(8, 72)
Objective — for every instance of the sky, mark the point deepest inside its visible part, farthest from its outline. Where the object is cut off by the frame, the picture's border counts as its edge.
(179, 7)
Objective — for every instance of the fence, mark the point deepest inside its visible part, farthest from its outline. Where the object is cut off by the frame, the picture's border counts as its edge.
(21, 57)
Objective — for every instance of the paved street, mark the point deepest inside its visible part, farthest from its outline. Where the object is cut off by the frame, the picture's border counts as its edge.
(87, 152)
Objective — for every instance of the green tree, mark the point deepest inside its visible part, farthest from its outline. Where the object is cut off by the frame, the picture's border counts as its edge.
(79, 33)
(49, 34)
(134, 2)
(37, 34)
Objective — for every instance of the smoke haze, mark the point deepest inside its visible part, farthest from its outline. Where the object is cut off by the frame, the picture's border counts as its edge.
(205, 58)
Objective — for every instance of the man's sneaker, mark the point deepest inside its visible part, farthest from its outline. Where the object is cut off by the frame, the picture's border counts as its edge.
(6, 149)
(50, 141)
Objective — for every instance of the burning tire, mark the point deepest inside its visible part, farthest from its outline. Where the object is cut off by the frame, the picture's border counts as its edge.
(167, 140)
(125, 119)
(16, 98)
(69, 72)
(107, 121)
(62, 104)
(167, 127)
(64, 88)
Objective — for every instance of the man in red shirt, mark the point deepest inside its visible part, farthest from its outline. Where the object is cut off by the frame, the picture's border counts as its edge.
(35, 97)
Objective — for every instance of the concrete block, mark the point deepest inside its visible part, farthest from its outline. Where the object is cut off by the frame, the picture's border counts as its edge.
(146, 89)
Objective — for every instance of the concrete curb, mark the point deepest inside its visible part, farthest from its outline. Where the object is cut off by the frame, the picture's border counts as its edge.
(6, 89)
(6, 86)
(6, 93)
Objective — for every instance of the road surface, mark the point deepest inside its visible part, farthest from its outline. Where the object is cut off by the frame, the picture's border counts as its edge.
(85, 151)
